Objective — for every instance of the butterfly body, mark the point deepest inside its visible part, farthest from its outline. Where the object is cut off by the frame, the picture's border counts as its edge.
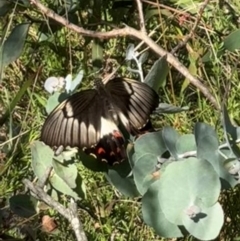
(90, 118)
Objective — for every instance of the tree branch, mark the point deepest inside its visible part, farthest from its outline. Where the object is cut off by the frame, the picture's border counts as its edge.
(128, 31)
(141, 16)
(69, 213)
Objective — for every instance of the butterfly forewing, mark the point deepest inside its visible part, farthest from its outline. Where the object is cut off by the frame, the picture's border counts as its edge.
(135, 100)
(74, 122)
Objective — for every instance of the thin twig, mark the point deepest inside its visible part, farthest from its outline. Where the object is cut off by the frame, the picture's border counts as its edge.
(190, 35)
(69, 213)
(128, 31)
(141, 16)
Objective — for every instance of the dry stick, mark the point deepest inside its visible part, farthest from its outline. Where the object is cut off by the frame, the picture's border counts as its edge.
(190, 35)
(141, 16)
(128, 31)
(69, 213)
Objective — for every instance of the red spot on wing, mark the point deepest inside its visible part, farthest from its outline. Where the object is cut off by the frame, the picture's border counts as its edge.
(110, 148)
(100, 151)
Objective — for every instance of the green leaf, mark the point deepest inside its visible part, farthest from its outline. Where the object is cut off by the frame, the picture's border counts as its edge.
(143, 57)
(148, 149)
(5, 6)
(154, 216)
(157, 75)
(14, 102)
(130, 153)
(77, 80)
(150, 143)
(208, 225)
(125, 185)
(185, 143)
(207, 149)
(23, 205)
(13, 46)
(231, 133)
(187, 182)
(61, 186)
(54, 100)
(42, 156)
(145, 172)
(232, 41)
(170, 137)
(165, 108)
(68, 172)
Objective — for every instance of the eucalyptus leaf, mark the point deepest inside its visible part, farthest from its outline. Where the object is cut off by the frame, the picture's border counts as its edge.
(5, 6)
(54, 100)
(206, 225)
(186, 144)
(232, 41)
(143, 57)
(76, 81)
(42, 156)
(165, 108)
(187, 182)
(130, 52)
(23, 205)
(157, 75)
(125, 185)
(231, 133)
(154, 216)
(61, 186)
(68, 172)
(144, 172)
(170, 137)
(149, 143)
(13, 45)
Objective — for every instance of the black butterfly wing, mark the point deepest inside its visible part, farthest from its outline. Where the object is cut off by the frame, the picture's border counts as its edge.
(75, 122)
(110, 148)
(135, 101)
(84, 121)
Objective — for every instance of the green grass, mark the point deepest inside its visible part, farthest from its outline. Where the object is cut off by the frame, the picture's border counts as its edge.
(111, 214)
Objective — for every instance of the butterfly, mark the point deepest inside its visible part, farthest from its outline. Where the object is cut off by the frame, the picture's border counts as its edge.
(91, 119)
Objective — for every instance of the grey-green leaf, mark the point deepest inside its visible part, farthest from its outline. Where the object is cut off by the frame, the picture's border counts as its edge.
(67, 172)
(42, 156)
(157, 75)
(208, 149)
(23, 205)
(187, 182)
(154, 216)
(13, 46)
(61, 186)
(165, 108)
(170, 137)
(145, 172)
(208, 226)
(151, 143)
(5, 6)
(125, 185)
(232, 41)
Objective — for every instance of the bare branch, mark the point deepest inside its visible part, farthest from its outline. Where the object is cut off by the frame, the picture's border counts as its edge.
(69, 213)
(128, 31)
(141, 16)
